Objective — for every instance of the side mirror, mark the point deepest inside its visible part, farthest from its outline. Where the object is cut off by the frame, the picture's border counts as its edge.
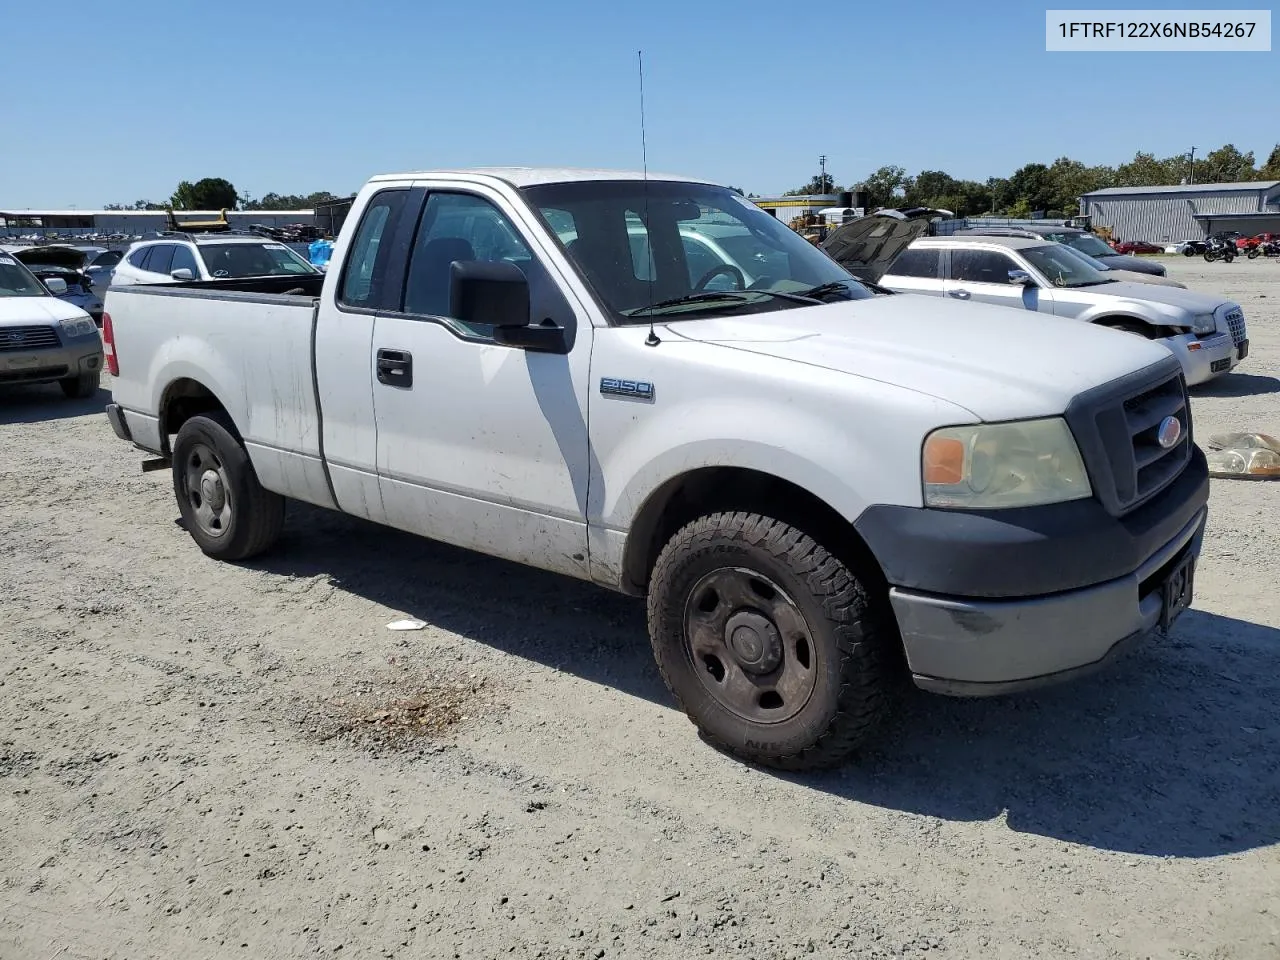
(497, 294)
(56, 285)
(182, 273)
(1022, 278)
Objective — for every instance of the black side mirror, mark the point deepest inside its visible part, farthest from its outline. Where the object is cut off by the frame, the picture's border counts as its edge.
(497, 293)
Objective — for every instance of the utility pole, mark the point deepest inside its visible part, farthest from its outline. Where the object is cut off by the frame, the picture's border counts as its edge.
(1192, 175)
(822, 177)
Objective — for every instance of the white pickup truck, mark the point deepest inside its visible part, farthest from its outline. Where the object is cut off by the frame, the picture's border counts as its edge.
(819, 489)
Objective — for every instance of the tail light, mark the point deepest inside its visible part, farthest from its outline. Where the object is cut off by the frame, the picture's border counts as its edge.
(109, 346)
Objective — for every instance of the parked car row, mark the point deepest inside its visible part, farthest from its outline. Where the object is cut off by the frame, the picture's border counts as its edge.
(1024, 270)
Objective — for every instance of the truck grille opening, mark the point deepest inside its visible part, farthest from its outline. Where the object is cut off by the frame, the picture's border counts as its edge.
(1118, 428)
(1235, 323)
(13, 339)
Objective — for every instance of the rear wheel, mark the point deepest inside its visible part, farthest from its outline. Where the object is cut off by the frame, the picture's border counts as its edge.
(85, 385)
(1210, 256)
(224, 507)
(1189, 252)
(1228, 257)
(777, 650)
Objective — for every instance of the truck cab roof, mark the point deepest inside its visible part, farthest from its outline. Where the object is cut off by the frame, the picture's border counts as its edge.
(532, 176)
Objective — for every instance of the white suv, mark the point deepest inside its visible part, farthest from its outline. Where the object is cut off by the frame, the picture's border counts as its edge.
(213, 257)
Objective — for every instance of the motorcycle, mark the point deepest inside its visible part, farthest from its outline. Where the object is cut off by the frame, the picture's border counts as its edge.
(1217, 248)
(1266, 248)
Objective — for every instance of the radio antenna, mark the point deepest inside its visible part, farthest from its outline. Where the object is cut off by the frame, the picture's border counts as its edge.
(652, 339)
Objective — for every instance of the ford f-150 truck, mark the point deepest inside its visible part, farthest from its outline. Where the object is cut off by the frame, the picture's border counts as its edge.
(818, 489)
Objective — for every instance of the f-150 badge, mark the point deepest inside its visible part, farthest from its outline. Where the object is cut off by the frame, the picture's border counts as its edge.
(630, 389)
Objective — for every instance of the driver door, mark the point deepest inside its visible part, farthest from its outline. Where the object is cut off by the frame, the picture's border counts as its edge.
(982, 276)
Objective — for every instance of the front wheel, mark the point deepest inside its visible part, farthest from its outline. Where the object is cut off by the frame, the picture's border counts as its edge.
(1189, 252)
(1253, 253)
(1210, 256)
(84, 385)
(1228, 257)
(777, 651)
(225, 509)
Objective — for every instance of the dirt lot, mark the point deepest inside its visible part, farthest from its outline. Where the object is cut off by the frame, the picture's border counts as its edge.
(205, 760)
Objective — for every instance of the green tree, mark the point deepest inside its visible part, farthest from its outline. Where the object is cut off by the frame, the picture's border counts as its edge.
(211, 193)
(1070, 179)
(885, 187)
(819, 183)
(1033, 185)
(1225, 165)
(1144, 170)
(1271, 169)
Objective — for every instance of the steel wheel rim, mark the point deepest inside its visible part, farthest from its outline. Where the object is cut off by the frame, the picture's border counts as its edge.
(750, 645)
(207, 490)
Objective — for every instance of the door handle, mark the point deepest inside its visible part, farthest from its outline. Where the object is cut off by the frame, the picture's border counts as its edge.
(395, 368)
(959, 294)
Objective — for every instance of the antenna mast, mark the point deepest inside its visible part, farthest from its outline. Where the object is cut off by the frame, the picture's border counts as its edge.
(652, 339)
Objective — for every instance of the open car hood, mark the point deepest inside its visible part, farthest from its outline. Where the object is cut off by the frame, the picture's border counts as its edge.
(68, 257)
(867, 247)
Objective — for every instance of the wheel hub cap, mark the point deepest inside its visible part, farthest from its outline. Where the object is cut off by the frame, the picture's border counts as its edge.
(754, 641)
(211, 490)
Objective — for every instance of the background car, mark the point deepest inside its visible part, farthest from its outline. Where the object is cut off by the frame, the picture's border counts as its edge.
(1138, 247)
(1081, 240)
(44, 339)
(207, 257)
(68, 265)
(100, 267)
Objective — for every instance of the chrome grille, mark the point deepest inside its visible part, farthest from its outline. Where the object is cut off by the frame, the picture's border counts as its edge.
(28, 338)
(1235, 323)
(1116, 427)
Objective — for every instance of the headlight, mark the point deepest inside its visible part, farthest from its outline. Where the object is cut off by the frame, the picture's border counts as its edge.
(78, 327)
(997, 465)
(1203, 323)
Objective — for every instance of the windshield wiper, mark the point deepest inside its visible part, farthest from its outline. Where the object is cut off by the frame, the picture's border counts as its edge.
(726, 297)
(708, 297)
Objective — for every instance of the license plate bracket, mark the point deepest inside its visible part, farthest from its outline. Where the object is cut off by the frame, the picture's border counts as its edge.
(1176, 592)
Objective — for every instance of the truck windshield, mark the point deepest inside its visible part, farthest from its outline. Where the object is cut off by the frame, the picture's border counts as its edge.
(239, 260)
(674, 249)
(1061, 268)
(17, 281)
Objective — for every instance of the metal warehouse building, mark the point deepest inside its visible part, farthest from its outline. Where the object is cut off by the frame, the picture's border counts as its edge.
(1189, 212)
(70, 223)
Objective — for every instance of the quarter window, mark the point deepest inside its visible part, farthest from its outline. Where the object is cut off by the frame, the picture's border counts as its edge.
(364, 275)
(981, 266)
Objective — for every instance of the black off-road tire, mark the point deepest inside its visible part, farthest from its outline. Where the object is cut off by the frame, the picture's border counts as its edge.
(256, 516)
(84, 385)
(854, 637)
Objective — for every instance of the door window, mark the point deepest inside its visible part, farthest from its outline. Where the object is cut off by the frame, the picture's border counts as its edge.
(364, 274)
(139, 257)
(981, 266)
(183, 258)
(916, 263)
(161, 257)
(458, 226)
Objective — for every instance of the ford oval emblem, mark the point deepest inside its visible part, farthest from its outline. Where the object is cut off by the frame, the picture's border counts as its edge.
(1170, 432)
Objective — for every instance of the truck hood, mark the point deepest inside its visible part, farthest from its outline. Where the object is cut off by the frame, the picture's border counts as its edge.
(28, 311)
(996, 362)
(866, 247)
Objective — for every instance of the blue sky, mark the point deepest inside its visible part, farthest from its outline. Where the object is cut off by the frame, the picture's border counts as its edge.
(295, 97)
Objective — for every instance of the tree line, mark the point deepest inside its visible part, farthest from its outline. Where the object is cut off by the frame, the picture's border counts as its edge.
(1052, 189)
(217, 193)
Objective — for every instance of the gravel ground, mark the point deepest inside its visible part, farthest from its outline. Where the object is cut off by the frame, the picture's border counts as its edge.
(206, 760)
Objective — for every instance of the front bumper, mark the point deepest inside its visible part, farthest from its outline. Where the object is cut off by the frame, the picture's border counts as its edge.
(1204, 358)
(988, 604)
(46, 366)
